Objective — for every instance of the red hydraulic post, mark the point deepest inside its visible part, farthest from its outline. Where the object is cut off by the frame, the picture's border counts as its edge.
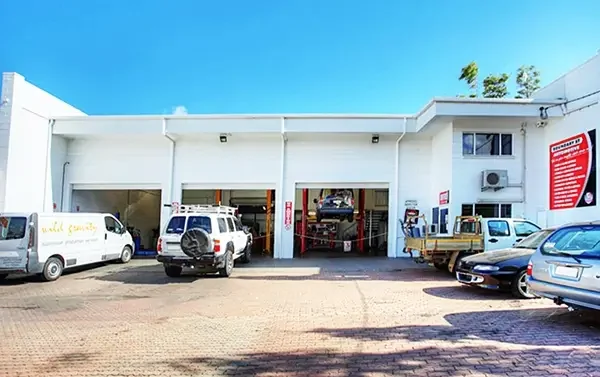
(304, 221)
(361, 220)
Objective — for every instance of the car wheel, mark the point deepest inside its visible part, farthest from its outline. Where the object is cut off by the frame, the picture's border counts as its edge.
(350, 218)
(173, 271)
(461, 255)
(3, 276)
(228, 265)
(441, 266)
(52, 269)
(519, 286)
(126, 255)
(247, 256)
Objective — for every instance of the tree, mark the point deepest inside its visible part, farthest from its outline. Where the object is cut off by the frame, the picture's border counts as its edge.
(469, 74)
(528, 81)
(494, 86)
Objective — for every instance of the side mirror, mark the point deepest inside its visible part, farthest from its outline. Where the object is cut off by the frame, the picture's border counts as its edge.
(315, 201)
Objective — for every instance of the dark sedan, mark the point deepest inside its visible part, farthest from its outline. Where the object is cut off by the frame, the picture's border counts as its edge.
(504, 269)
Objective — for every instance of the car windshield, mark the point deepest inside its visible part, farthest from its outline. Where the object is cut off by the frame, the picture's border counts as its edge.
(582, 241)
(534, 240)
(12, 228)
(177, 224)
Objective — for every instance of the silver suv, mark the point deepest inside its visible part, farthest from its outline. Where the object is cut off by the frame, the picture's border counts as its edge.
(566, 266)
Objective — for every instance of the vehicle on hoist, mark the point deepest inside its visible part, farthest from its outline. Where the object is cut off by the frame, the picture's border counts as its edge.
(335, 204)
(470, 235)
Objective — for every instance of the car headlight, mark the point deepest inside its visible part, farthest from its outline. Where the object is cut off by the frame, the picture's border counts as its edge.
(486, 268)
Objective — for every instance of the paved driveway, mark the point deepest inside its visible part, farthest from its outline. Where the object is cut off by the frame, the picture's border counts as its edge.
(310, 318)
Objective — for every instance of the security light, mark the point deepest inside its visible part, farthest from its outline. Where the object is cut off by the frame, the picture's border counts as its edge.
(223, 138)
(375, 139)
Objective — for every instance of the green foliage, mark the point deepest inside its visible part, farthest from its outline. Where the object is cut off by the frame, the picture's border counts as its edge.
(528, 81)
(469, 74)
(494, 86)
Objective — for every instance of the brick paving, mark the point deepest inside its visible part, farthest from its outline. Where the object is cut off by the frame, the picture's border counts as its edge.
(306, 318)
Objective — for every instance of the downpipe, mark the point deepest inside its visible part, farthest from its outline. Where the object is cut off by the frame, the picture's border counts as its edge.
(276, 252)
(171, 159)
(397, 185)
(48, 161)
(524, 168)
(62, 185)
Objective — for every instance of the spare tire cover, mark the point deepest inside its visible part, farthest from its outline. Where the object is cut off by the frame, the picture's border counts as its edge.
(195, 242)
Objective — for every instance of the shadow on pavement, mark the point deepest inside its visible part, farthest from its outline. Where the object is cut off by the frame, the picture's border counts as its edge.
(459, 360)
(350, 275)
(532, 327)
(18, 280)
(463, 292)
(152, 274)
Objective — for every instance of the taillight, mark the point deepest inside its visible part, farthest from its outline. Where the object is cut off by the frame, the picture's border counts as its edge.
(530, 269)
(159, 245)
(217, 246)
(31, 241)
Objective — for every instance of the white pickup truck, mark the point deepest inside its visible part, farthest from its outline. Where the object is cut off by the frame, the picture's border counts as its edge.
(205, 238)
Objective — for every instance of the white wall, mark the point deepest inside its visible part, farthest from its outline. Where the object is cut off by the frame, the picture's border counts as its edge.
(119, 163)
(441, 170)
(582, 116)
(467, 169)
(25, 122)
(58, 158)
(415, 184)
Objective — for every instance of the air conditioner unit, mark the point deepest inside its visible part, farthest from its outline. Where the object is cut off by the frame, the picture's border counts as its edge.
(494, 180)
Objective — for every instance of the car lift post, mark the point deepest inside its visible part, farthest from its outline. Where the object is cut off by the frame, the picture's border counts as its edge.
(218, 197)
(361, 220)
(304, 221)
(268, 227)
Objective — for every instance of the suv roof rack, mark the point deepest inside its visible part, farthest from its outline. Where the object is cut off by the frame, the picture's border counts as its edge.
(207, 208)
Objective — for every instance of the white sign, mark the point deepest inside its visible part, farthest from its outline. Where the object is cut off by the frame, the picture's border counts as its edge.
(411, 203)
(347, 246)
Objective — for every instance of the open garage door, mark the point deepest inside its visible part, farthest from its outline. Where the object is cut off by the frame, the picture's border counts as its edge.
(341, 219)
(255, 204)
(138, 209)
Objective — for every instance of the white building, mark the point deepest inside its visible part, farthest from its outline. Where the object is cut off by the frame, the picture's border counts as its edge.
(54, 157)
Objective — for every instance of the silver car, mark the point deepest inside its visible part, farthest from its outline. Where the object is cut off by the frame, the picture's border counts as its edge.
(566, 266)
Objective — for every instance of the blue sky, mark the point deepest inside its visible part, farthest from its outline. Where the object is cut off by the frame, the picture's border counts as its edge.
(293, 56)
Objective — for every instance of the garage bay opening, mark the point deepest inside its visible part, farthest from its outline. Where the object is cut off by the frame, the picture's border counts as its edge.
(256, 207)
(139, 210)
(341, 220)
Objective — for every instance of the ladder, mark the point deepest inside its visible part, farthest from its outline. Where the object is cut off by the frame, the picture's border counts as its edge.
(206, 208)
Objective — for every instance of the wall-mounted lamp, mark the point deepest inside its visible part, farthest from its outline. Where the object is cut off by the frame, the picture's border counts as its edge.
(375, 139)
(223, 138)
(543, 113)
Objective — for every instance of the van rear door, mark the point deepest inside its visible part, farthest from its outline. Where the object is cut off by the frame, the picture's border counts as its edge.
(14, 239)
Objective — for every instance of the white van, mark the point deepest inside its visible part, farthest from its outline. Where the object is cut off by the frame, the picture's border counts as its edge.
(48, 243)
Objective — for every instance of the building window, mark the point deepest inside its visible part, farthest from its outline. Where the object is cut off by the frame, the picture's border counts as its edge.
(487, 210)
(484, 144)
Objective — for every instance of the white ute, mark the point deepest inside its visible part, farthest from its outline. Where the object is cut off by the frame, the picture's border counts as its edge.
(206, 238)
(48, 243)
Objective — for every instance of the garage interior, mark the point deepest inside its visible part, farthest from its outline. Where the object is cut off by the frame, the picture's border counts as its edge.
(363, 233)
(256, 207)
(138, 210)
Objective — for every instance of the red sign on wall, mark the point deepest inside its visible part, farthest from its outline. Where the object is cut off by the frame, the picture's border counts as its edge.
(287, 221)
(573, 172)
(444, 197)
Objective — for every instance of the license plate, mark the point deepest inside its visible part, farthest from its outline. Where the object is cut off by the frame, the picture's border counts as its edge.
(567, 272)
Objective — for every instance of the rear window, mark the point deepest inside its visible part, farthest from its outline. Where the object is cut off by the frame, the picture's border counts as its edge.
(12, 228)
(177, 224)
(581, 241)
